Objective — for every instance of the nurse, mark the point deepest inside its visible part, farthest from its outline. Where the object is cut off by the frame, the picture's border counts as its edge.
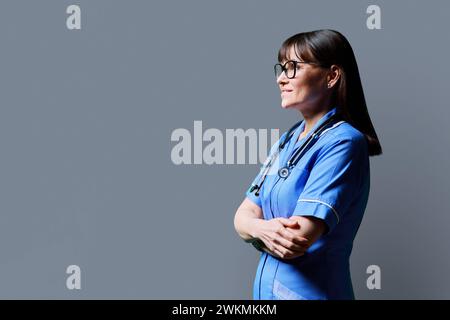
(304, 217)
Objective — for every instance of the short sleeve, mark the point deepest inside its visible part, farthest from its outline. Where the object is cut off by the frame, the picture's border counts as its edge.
(333, 181)
(251, 195)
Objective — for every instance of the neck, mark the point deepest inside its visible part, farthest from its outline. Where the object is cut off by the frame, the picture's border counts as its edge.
(311, 120)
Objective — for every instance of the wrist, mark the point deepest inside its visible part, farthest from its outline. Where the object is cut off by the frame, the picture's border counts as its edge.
(254, 228)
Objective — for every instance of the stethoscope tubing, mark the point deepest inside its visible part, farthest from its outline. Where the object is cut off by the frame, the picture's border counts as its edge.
(296, 156)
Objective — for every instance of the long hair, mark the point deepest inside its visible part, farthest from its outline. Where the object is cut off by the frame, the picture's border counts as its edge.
(328, 47)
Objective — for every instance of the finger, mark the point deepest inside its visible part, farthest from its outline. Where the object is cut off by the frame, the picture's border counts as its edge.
(288, 222)
(289, 239)
(282, 250)
(268, 244)
(295, 255)
(290, 254)
(286, 234)
(302, 242)
(278, 254)
(287, 243)
(295, 238)
(272, 251)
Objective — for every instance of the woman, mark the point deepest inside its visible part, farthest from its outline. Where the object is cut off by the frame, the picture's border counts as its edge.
(304, 213)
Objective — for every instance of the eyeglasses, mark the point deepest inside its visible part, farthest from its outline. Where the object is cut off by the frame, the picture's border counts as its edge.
(289, 68)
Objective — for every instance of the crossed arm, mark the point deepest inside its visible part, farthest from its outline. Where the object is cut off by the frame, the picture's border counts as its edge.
(282, 237)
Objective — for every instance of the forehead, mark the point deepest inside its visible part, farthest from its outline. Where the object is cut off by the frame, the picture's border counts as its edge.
(291, 54)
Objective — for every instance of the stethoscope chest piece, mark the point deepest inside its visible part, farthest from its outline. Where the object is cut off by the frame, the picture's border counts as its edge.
(283, 172)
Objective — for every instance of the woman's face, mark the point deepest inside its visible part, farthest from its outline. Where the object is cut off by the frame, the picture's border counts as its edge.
(308, 91)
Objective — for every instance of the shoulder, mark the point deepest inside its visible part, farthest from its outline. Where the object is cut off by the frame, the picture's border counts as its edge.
(347, 137)
(346, 132)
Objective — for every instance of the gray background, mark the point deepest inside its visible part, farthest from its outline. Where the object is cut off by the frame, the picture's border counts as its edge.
(86, 118)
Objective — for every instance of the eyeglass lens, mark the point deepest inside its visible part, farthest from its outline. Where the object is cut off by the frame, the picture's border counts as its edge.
(288, 67)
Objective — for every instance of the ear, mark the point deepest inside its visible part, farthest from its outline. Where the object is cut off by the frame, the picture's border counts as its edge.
(334, 73)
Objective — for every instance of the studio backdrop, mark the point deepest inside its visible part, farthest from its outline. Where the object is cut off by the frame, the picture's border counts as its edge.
(131, 130)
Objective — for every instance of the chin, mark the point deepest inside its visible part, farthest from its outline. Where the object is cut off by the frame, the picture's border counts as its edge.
(287, 105)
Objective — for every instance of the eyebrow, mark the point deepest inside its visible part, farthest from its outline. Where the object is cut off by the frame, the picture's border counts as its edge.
(284, 61)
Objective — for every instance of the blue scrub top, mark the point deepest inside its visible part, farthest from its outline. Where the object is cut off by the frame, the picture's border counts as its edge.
(330, 182)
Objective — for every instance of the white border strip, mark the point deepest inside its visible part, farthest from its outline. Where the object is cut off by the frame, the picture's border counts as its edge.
(324, 203)
(334, 126)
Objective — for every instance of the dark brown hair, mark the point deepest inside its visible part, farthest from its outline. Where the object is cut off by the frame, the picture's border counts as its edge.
(328, 47)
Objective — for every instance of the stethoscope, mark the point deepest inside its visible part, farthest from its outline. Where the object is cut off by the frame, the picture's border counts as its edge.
(297, 155)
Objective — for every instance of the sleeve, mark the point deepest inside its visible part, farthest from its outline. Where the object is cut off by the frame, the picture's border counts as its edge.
(252, 196)
(333, 182)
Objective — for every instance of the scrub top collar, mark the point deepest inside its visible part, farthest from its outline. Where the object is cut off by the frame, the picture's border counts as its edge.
(301, 127)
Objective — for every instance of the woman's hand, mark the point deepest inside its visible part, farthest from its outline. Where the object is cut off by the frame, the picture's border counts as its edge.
(280, 238)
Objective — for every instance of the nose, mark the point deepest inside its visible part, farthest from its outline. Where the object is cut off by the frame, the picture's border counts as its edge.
(282, 78)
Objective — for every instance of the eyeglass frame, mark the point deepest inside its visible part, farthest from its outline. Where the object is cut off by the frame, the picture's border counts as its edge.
(283, 67)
